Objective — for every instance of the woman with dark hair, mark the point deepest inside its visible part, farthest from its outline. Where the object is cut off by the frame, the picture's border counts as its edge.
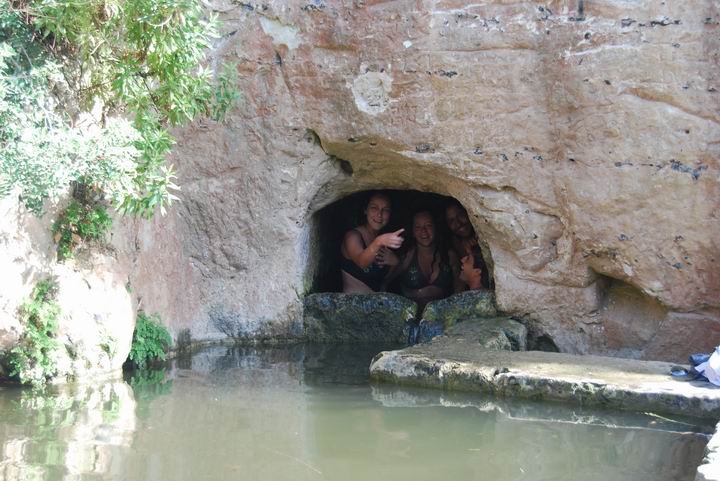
(428, 271)
(367, 261)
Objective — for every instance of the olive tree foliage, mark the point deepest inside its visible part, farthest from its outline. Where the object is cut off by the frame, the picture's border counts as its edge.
(89, 89)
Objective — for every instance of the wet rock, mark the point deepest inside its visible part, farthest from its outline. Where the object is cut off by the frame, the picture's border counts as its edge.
(459, 307)
(498, 333)
(461, 364)
(336, 317)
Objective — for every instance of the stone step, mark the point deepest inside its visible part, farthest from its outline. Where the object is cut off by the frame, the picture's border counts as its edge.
(460, 363)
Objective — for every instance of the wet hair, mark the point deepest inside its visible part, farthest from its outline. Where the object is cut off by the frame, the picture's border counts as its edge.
(441, 248)
(377, 193)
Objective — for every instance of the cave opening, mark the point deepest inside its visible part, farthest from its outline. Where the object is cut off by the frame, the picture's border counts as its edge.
(331, 223)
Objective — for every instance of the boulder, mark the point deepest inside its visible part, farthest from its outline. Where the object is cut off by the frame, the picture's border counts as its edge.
(497, 333)
(459, 307)
(337, 317)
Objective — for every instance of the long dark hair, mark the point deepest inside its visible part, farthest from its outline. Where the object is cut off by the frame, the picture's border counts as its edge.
(441, 248)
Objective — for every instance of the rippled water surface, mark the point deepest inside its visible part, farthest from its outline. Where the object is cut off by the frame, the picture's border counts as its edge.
(308, 413)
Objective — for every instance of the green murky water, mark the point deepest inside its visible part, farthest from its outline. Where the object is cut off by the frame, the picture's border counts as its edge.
(308, 413)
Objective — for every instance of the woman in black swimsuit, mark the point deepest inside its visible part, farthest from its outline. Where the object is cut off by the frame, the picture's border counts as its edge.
(429, 271)
(367, 260)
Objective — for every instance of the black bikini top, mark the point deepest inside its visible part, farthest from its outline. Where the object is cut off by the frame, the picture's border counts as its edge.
(372, 276)
(414, 278)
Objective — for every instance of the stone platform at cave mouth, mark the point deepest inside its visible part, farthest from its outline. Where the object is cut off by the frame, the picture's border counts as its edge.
(460, 364)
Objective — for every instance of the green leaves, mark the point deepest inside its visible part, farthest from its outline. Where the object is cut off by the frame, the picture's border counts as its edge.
(79, 223)
(33, 359)
(151, 340)
(70, 68)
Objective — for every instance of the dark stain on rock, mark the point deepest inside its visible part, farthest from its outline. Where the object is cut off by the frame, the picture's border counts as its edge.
(676, 45)
(678, 166)
(447, 73)
(607, 82)
(545, 12)
(626, 22)
(315, 6)
(664, 22)
(424, 149)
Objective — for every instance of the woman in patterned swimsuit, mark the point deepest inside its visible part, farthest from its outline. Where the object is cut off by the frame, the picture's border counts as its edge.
(367, 261)
(429, 272)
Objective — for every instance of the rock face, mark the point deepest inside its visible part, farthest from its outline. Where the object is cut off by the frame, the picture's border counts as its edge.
(333, 317)
(583, 138)
(583, 143)
(97, 311)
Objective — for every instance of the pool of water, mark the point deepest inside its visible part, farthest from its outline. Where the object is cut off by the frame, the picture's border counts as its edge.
(309, 413)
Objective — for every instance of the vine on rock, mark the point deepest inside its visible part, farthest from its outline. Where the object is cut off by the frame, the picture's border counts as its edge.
(33, 360)
(79, 223)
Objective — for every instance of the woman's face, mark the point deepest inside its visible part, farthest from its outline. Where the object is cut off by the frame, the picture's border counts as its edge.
(424, 229)
(378, 212)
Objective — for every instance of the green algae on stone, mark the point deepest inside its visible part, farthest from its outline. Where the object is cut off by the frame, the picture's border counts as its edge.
(460, 307)
(337, 317)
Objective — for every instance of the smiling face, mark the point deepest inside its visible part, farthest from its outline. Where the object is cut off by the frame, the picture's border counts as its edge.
(377, 212)
(424, 229)
(458, 222)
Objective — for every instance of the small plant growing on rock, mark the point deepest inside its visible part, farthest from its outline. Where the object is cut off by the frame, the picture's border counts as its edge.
(80, 223)
(33, 359)
(151, 340)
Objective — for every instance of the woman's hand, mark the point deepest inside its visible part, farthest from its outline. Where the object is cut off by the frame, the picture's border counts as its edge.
(386, 257)
(392, 240)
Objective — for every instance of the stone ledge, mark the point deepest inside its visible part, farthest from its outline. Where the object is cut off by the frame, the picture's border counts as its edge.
(458, 364)
(348, 318)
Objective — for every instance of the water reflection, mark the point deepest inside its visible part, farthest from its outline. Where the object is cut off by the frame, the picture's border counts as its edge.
(307, 413)
(65, 432)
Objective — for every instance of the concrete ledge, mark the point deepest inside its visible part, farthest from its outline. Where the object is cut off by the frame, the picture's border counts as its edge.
(460, 364)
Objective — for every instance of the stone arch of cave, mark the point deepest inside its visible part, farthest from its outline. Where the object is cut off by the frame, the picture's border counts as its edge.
(330, 224)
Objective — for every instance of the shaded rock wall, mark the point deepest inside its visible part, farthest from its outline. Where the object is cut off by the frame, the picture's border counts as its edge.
(584, 144)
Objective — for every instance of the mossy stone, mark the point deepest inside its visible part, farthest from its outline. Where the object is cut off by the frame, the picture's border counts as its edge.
(337, 317)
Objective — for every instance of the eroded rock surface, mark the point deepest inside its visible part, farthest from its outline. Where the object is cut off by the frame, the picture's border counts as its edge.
(585, 146)
(335, 317)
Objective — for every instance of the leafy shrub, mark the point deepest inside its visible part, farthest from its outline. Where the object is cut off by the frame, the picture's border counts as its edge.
(33, 359)
(151, 340)
(79, 223)
(70, 68)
